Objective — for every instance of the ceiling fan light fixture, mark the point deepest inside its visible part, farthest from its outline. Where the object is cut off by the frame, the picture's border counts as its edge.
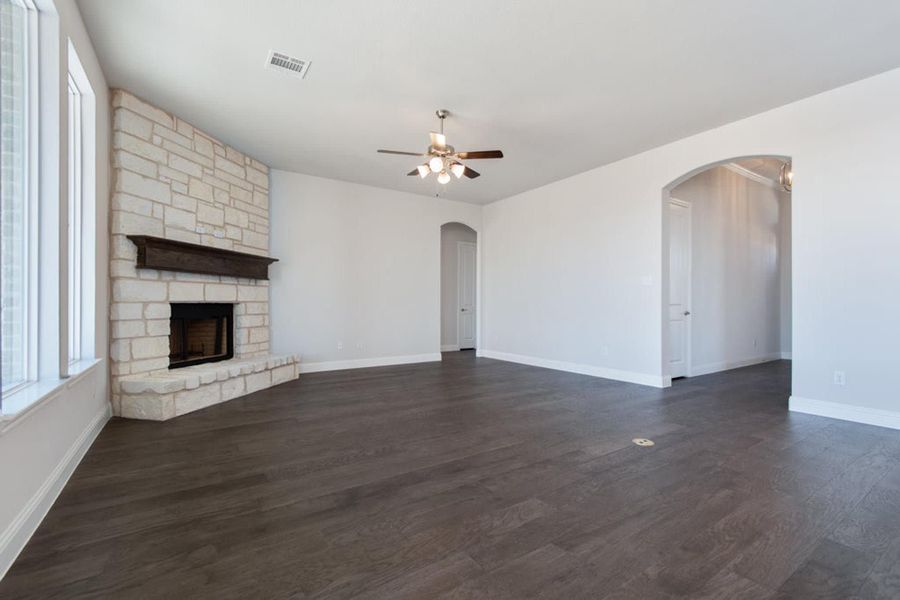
(443, 159)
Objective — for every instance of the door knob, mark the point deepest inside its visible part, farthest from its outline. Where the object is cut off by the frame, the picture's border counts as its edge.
(687, 312)
(462, 310)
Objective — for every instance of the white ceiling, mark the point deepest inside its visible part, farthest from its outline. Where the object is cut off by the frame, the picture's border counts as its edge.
(559, 86)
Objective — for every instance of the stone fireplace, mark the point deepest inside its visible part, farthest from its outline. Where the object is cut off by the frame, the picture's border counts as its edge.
(176, 184)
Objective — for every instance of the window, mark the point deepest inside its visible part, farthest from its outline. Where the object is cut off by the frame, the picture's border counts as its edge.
(34, 233)
(81, 159)
(75, 212)
(17, 213)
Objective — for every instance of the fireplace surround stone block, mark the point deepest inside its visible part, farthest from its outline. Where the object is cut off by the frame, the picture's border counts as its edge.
(163, 395)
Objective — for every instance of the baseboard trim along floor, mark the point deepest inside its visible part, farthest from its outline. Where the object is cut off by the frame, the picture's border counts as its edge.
(718, 367)
(845, 412)
(594, 371)
(362, 363)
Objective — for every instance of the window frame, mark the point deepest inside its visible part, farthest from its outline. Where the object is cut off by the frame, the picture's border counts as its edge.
(75, 168)
(33, 194)
(32, 199)
(81, 234)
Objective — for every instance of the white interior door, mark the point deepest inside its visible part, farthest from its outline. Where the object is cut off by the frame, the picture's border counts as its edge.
(679, 288)
(466, 286)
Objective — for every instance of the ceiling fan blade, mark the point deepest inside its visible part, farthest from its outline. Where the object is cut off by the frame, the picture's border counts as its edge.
(413, 172)
(400, 152)
(438, 140)
(480, 154)
(471, 173)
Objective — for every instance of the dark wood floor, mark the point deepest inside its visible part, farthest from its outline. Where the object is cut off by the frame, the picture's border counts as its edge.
(474, 478)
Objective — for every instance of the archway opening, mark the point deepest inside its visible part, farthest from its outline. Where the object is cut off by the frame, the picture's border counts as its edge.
(726, 299)
(459, 282)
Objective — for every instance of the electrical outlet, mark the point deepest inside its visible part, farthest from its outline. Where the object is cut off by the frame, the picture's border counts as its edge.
(839, 378)
(340, 345)
(755, 343)
(359, 345)
(604, 350)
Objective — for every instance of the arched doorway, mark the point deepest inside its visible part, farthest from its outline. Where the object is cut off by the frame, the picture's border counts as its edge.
(726, 289)
(459, 287)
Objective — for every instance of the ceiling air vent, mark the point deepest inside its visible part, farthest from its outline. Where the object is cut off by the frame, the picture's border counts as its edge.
(287, 64)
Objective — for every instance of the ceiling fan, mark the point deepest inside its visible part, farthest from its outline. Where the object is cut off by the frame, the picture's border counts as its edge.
(443, 159)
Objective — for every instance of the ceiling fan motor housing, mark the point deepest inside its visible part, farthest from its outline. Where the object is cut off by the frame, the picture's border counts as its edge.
(446, 151)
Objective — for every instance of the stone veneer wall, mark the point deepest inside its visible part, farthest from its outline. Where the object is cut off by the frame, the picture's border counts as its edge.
(173, 181)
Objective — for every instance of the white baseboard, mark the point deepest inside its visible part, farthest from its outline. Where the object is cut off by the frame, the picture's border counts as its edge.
(17, 534)
(594, 371)
(787, 356)
(728, 365)
(845, 412)
(450, 348)
(361, 363)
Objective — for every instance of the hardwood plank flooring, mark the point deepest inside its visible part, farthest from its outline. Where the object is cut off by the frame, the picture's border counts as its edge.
(475, 478)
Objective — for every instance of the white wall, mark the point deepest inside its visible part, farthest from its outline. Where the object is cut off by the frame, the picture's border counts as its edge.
(451, 234)
(40, 447)
(784, 269)
(358, 266)
(735, 269)
(572, 271)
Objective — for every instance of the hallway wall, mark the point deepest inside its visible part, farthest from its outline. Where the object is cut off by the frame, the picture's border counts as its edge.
(451, 233)
(736, 256)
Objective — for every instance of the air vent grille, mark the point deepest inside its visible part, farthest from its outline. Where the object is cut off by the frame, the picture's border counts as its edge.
(287, 64)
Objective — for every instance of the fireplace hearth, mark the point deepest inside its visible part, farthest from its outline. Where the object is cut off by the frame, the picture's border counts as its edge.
(200, 333)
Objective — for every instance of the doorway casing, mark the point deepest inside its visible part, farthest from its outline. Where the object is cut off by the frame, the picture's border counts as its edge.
(478, 287)
(664, 246)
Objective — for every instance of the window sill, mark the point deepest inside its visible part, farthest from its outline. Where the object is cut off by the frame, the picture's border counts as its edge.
(24, 401)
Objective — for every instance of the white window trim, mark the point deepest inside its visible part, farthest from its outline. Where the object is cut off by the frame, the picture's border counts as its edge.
(32, 112)
(75, 168)
(34, 188)
(80, 291)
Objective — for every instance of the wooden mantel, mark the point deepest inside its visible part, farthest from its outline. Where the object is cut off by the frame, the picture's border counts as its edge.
(171, 255)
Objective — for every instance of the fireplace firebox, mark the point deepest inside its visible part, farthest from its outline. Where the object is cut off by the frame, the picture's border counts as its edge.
(200, 333)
